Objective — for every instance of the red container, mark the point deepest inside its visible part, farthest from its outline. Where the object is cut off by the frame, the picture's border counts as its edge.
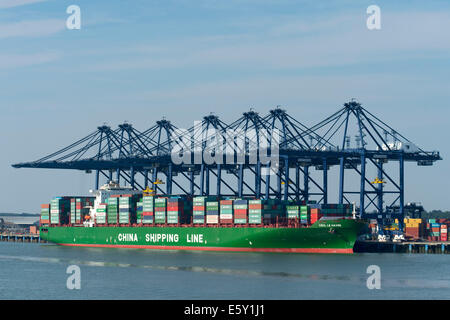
(226, 220)
(115, 196)
(45, 206)
(256, 206)
(199, 208)
(226, 202)
(160, 209)
(147, 214)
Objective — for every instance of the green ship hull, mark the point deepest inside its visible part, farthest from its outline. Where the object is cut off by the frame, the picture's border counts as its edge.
(329, 236)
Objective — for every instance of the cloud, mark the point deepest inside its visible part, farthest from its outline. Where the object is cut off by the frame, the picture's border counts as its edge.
(36, 28)
(17, 3)
(329, 41)
(24, 60)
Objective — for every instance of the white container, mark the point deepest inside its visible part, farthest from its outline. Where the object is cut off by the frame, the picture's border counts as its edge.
(212, 219)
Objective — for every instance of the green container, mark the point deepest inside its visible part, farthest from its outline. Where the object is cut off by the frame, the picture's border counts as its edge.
(112, 219)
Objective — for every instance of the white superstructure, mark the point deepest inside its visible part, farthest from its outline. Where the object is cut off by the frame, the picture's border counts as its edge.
(106, 191)
(400, 146)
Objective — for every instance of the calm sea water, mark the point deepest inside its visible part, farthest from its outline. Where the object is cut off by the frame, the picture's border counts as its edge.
(38, 271)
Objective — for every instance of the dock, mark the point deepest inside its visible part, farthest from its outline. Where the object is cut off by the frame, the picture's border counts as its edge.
(21, 238)
(374, 246)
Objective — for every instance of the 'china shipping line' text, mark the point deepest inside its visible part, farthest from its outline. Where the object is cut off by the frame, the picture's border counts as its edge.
(160, 237)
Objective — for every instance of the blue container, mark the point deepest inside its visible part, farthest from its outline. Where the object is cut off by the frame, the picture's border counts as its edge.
(435, 225)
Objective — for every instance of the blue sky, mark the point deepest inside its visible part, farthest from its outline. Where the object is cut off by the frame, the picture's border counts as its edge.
(142, 60)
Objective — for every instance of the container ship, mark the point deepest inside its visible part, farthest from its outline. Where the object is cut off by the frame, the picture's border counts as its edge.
(116, 216)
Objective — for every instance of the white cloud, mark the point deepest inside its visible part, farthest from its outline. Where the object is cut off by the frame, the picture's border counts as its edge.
(34, 28)
(338, 41)
(17, 3)
(24, 60)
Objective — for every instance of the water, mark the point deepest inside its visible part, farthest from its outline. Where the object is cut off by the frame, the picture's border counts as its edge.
(38, 271)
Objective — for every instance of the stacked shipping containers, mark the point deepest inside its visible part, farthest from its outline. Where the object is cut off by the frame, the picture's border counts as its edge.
(434, 230)
(444, 232)
(112, 209)
(199, 209)
(175, 210)
(148, 210)
(59, 210)
(292, 211)
(255, 211)
(212, 212)
(315, 213)
(127, 209)
(413, 228)
(198, 212)
(160, 210)
(72, 211)
(305, 215)
(226, 211)
(240, 211)
(139, 210)
(100, 213)
(45, 213)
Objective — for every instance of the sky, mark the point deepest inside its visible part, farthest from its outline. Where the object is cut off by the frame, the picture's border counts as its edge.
(140, 61)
